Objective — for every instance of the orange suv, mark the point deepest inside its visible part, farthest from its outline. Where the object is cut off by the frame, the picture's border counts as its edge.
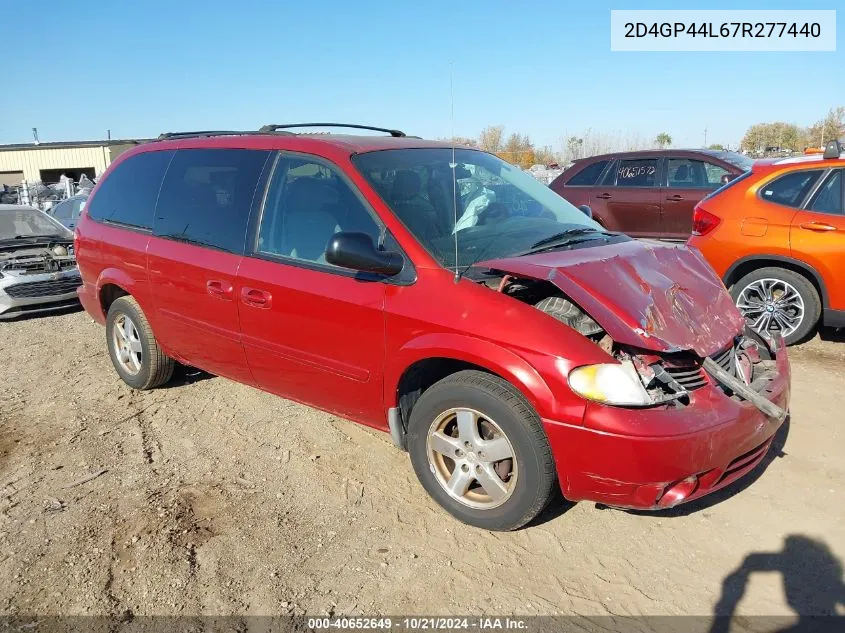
(776, 237)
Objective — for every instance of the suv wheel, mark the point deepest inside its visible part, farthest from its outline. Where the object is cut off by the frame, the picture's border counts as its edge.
(133, 349)
(778, 300)
(480, 451)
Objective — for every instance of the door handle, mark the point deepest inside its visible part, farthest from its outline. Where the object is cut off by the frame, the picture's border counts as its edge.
(256, 298)
(220, 289)
(675, 198)
(820, 227)
(604, 196)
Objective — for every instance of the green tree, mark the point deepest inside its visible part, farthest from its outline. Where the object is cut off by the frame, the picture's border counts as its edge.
(761, 138)
(716, 146)
(663, 140)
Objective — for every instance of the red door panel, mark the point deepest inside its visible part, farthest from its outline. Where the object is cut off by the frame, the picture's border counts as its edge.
(678, 205)
(629, 201)
(315, 336)
(196, 306)
(632, 210)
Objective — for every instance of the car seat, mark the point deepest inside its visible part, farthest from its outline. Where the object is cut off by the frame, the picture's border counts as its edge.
(308, 224)
(416, 212)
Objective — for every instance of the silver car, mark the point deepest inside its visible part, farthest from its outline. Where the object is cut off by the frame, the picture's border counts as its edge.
(68, 211)
(38, 270)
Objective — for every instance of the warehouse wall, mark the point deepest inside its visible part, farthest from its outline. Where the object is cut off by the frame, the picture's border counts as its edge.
(31, 161)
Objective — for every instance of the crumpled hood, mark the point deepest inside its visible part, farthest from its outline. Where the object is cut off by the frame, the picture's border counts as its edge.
(654, 295)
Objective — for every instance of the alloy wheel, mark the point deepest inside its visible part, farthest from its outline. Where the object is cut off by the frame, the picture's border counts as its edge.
(771, 305)
(127, 344)
(471, 458)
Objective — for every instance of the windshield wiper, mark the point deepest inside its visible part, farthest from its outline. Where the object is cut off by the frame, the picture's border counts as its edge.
(37, 237)
(563, 235)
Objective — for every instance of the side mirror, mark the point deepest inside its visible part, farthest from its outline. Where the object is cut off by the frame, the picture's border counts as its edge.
(357, 251)
(586, 210)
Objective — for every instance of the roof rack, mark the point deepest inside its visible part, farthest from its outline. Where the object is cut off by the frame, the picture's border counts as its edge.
(172, 135)
(205, 133)
(276, 128)
(833, 149)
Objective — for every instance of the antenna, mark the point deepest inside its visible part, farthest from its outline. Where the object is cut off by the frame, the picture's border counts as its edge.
(454, 166)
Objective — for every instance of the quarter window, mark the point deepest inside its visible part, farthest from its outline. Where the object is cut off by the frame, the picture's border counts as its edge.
(685, 173)
(128, 195)
(207, 195)
(829, 197)
(307, 203)
(589, 175)
(636, 173)
(790, 189)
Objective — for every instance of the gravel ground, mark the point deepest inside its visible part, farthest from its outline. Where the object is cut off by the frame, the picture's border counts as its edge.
(209, 497)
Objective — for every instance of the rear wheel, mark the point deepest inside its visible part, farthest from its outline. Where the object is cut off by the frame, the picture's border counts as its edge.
(134, 352)
(480, 451)
(778, 300)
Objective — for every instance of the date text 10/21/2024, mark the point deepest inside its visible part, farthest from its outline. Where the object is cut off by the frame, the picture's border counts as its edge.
(419, 623)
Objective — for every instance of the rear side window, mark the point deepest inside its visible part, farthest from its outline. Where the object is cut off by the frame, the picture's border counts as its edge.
(829, 196)
(128, 195)
(207, 195)
(790, 189)
(588, 176)
(685, 173)
(636, 173)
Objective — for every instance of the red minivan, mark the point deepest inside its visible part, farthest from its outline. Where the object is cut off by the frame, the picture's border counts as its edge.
(501, 336)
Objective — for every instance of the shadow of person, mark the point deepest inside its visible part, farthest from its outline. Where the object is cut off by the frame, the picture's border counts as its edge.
(812, 583)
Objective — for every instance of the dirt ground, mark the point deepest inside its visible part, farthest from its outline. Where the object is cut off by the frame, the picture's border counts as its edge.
(215, 498)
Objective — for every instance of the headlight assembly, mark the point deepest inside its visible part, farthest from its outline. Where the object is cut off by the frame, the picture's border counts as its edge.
(617, 384)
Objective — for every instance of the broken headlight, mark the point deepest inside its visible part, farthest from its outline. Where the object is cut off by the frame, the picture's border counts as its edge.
(610, 383)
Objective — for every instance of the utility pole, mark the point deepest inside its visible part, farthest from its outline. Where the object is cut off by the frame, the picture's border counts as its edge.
(705, 137)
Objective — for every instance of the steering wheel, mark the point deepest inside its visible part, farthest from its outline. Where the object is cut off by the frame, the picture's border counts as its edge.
(493, 213)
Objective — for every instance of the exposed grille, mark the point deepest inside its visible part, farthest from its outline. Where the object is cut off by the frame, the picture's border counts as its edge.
(692, 376)
(725, 360)
(38, 266)
(689, 377)
(44, 288)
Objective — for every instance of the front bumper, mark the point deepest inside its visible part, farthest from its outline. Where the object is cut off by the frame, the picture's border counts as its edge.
(720, 439)
(35, 294)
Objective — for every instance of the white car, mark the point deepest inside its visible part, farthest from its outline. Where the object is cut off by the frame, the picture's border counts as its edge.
(38, 271)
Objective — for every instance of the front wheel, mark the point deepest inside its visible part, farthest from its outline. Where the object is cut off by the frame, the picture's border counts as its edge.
(778, 300)
(480, 451)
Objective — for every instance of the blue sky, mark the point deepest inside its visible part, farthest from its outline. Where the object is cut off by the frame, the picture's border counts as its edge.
(544, 68)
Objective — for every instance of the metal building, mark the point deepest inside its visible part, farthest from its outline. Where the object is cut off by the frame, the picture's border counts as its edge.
(47, 162)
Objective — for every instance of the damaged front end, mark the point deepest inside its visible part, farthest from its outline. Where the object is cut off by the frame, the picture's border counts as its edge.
(25, 259)
(742, 367)
(37, 276)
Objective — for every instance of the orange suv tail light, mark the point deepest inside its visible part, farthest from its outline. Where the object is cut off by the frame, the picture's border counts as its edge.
(703, 221)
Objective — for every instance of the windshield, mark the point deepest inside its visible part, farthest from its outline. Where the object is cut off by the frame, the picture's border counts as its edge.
(26, 222)
(501, 210)
(734, 158)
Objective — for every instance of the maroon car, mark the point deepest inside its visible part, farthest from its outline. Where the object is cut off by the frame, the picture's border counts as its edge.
(648, 193)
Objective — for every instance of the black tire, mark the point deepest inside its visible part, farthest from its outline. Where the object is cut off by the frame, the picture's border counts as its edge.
(493, 397)
(156, 367)
(807, 291)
